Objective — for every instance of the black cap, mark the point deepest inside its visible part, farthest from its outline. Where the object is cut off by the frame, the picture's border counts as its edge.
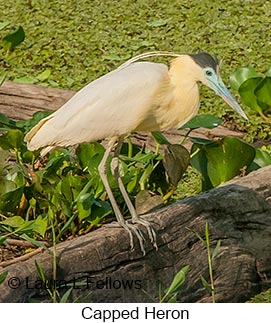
(205, 60)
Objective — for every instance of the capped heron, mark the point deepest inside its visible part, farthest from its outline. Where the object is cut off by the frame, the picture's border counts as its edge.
(137, 96)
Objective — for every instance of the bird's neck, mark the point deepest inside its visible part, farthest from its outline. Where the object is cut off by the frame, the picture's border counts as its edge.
(186, 90)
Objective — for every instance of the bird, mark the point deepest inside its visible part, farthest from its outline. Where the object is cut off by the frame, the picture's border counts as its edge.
(137, 96)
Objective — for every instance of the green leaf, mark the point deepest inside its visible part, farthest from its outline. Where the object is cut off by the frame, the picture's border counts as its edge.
(26, 79)
(160, 138)
(133, 181)
(241, 75)
(3, 158)
(176, 160)
(262, 159)
(263, 92)
(173, 299)
(99, 210)
(115, 57)
(202, 121)
(39, 225)
(33, 241)
(14, 221)
(3, 276)
(65, 297)
(17, 177)
(5, 121)
(268, 73)
(40, 271)
(226, 158)
(158, 23)
(15, 38)
(247, 93)
(84, 204)
(255, 91)
(90, 156)
(215, 251)
(205, 284)
(66, 188)
(222, 160)
(44, 75)
(3, 77)
(146, 174)
(200, 162)
(4, 24)
(12, 139)
(201, 141)
(142, 44)
(6, 186)
(9, 201)
(2, 239)
(54, 164)
(177, 282)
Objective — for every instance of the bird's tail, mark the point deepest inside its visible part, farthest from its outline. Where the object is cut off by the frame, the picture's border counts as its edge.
(32, 143)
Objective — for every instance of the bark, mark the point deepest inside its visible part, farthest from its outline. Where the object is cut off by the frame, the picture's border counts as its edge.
(20, 101)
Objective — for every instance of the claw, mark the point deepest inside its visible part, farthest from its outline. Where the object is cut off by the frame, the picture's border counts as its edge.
(151, 232)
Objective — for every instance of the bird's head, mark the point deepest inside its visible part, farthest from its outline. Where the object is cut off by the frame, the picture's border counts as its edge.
(208, 74)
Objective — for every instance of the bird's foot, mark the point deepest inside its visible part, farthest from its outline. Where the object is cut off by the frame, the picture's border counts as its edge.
(148, 226)
(130, 228)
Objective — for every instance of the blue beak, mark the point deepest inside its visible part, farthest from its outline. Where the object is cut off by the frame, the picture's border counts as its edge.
(220, 89)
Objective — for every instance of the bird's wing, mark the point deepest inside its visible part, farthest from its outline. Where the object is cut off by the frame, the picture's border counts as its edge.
(115, 104)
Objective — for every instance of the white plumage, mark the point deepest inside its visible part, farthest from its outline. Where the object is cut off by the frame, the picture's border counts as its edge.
(139, 97)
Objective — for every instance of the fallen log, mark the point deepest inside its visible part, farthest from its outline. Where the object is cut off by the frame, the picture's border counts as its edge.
(100, 267)
(20, 101)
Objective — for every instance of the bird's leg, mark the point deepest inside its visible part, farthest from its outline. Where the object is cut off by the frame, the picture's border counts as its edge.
(103, 174)
(132, 210)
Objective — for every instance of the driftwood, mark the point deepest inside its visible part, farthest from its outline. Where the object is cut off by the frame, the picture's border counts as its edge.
(238, 214)
(100, 267)
(20, 101)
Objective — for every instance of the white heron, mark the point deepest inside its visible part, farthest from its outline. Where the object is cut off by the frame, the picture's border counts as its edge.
(137, 96)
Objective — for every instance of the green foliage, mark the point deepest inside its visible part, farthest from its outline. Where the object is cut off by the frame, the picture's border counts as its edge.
(211, 254)
(262, 158)
(254, 90)
(67, 187)
(264, 297)
(202, 121)
(160, 138)
(219, 161)
(3, 276)
(175, 286)
(14, 38)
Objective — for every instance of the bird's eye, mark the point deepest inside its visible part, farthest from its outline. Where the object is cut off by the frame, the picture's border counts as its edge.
(209, 73)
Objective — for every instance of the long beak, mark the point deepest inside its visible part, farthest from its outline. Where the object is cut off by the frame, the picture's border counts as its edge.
(220, 88)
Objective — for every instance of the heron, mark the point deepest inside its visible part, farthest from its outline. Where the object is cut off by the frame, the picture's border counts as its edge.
(138, 96)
